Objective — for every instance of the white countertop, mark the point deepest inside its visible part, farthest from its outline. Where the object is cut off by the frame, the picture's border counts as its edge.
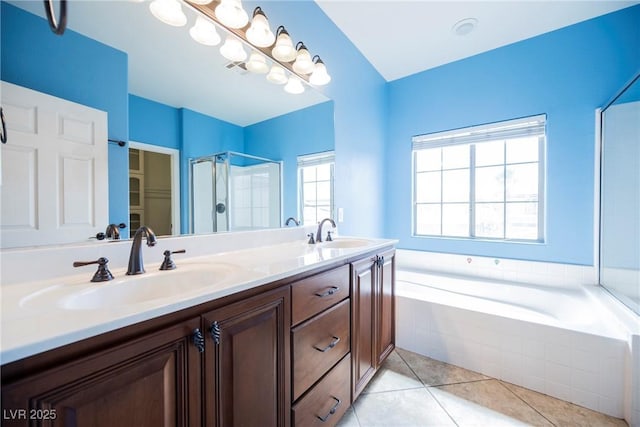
(36, 315)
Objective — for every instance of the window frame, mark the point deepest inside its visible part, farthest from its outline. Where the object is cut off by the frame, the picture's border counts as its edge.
(472, 136)
(311, 160)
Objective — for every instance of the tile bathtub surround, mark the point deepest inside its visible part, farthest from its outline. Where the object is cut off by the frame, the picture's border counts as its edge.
(587, 370)
(531, 272)
(413, 390)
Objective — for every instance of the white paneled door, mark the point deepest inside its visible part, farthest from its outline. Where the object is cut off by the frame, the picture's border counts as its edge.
(54, 186)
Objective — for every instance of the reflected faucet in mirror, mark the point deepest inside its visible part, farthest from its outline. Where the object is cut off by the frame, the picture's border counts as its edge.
(136, 266)
(319, 233)
(290, 220)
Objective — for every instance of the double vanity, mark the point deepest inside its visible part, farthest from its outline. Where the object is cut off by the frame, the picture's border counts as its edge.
(282, 334)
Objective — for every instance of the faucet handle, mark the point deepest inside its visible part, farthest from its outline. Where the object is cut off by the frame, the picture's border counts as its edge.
(311, 239)
(168, 263)
(103, 274)
(329, 238)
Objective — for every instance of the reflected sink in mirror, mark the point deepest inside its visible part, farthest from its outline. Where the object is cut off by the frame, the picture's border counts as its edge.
(345, 243)
(139, 289)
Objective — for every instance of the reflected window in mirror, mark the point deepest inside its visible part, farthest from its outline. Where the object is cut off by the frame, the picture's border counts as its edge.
(316, 187)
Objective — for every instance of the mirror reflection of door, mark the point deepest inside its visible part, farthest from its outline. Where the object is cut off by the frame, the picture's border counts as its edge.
(151, 191)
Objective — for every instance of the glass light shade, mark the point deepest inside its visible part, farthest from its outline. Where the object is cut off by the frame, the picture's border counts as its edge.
(200, 1)
(294, 86)
(257, 63)
(277, 75)
(259, 32)
(319, 77)
(231, 13)
(284, 50)
(168, 11)
(303, 64)
(204, 32)
(233, 50)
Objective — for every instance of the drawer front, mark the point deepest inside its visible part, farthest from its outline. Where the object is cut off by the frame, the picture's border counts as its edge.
(327, 402)
(318, 344)
(314, 294)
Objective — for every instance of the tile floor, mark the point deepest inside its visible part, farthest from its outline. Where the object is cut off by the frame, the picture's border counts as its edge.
(413, 390)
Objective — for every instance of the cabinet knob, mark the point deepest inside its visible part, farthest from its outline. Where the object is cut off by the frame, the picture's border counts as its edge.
(215, 332)
(198, 340)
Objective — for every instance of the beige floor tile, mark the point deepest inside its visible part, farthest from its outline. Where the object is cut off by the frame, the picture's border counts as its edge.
(414, 408)
(563, 413)
(349, 419)
(394, 374)
(486, 403)
(433, 372)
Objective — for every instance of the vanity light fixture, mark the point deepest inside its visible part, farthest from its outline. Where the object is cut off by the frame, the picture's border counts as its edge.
(303, 64)
(168, 11)
(290, 65)
(259, 33)
(232, 14)
(319, 76)
(257, 63)
(294, 85)
(233, 50)
(277, 75)
(283, 50)
(204, 32)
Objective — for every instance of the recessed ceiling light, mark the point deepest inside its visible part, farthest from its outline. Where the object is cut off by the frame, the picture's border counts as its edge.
(464, 27)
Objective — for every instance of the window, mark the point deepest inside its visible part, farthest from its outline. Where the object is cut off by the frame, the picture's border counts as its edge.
(481, 182)
(315, 187)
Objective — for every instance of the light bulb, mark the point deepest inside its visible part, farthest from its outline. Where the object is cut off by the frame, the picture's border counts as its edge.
(294, 86)
(257, 63)
(259, 32)
(233, 50)
(169, 12)
(303, 64)
(203, 2)
(277, 75)
(284, 50)
(319, 77)
(204, 32)
(231, 13)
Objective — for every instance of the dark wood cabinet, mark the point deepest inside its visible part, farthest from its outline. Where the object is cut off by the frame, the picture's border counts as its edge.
(152, 381)
(372, 316)
(247, 368)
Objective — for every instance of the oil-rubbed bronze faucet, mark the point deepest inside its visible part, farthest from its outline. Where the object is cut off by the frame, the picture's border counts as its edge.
(319, 233)
(135, 258)
(112, 232)
(292, 219)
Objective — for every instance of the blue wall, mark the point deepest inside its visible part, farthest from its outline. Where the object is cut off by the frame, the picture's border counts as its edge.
(566, 74)
(306, 131)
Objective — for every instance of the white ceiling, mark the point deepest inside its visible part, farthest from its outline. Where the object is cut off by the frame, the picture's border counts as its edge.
(401, 38)
(398, 37)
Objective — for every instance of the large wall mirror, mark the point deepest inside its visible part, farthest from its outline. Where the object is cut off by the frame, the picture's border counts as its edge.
(620, 196)
(166, 95)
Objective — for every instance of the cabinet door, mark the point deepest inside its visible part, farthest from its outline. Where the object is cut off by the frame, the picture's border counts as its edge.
(247, 364)
(385, 301)
(363, 347)
(153, 381)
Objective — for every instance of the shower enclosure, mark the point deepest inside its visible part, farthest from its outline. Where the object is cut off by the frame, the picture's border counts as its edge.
(620, 196)
(233, 191)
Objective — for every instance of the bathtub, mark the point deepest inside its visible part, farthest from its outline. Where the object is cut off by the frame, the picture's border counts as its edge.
(564, 342)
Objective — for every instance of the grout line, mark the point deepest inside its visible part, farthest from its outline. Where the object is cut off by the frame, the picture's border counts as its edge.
(525, 402)
(411, 369)
(443, 408)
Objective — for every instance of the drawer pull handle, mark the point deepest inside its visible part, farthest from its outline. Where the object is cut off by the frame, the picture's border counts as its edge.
(332, 411)
(332, 290)
(333, 343)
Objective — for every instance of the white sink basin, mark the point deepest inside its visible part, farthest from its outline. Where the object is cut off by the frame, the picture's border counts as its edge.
(345, 243)
(138, 289)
